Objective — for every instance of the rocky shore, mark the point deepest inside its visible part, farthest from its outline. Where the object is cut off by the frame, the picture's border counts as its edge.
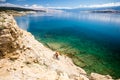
(22, 57)
(18, 13)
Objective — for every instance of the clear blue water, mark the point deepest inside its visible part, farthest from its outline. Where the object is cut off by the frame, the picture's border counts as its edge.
(92, 40)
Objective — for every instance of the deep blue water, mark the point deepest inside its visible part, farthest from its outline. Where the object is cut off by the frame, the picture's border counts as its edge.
(92, 40)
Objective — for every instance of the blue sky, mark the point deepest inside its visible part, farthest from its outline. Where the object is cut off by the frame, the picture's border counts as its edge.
(61, 3)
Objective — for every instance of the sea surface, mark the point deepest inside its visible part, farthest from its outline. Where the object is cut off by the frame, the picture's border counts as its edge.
(92, 40)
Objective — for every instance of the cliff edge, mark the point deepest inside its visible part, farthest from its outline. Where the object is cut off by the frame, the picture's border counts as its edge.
(24, 58)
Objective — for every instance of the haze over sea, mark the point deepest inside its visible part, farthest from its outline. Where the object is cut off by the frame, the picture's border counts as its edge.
(92, 40)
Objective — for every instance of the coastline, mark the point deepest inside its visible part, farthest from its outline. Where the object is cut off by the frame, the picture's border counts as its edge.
(18, 13)
(29, 54)
(63, 37)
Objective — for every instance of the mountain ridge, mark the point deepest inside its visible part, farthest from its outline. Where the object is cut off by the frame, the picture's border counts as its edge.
(9, 6)
(92, 9)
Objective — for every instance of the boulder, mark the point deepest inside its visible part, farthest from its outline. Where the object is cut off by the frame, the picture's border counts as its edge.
(96, 76)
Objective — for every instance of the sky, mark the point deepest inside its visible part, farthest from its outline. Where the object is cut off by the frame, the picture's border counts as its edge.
(63, 3)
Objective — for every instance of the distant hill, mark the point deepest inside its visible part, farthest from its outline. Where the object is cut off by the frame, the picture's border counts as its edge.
(15, 8)
(116, 8)
(92, 9)
(18, 9)
(9, 6)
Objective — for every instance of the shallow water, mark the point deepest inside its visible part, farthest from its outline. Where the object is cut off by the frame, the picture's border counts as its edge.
(92, 40)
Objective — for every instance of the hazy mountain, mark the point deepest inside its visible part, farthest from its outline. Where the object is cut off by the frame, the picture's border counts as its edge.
(93, 9)
(8, 6)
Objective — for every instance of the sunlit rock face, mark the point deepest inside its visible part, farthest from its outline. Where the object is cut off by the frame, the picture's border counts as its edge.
(9, 34)
(96, 76)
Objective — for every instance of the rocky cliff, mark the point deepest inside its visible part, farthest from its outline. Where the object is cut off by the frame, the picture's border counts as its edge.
(24, 58)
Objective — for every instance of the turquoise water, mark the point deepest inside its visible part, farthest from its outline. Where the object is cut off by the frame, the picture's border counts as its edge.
(92, 40)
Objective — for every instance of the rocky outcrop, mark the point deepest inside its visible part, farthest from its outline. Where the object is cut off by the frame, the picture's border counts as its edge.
(24, 58)
(96, 76)
(9, 35)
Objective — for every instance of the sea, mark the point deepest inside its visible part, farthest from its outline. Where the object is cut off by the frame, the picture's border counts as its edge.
(91, 40)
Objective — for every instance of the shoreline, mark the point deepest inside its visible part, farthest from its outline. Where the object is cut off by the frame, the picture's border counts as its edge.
(31, 54)
(63, 45)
